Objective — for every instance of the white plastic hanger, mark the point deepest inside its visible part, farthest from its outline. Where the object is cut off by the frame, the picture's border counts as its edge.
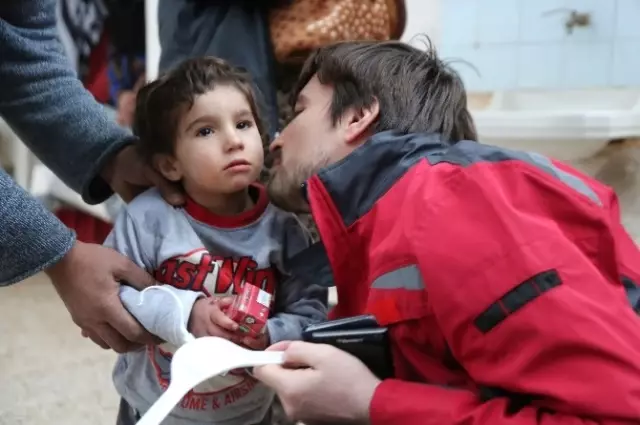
(199, 360)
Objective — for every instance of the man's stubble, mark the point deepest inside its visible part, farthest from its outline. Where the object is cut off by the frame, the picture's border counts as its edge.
(285, 187)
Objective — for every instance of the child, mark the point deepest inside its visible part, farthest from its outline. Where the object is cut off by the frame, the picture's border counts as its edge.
(199, 125)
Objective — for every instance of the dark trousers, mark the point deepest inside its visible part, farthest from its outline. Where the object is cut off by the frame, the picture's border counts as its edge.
(127, 415)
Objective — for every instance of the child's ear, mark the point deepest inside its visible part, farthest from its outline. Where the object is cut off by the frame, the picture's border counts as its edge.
(168, 166)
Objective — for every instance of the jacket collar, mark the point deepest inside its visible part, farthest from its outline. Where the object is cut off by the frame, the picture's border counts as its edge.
(355, 183)
(343, 192)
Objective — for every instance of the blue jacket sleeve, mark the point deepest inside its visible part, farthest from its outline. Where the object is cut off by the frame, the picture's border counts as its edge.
(31, 238)
(298, 304)
(45, 103)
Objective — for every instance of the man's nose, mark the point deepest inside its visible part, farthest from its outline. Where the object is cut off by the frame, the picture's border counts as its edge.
(275, 145)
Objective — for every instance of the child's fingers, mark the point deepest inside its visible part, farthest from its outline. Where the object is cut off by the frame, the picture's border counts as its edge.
(214, 330)
(224, 302)
(222, 320)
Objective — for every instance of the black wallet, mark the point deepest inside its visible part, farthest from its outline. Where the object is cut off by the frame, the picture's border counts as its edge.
(360, 336)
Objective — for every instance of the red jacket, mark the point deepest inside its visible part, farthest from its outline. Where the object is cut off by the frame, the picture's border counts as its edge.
(499, 274)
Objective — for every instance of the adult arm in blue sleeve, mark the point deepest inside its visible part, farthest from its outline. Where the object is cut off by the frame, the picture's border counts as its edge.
(31, 238)
(45, 103)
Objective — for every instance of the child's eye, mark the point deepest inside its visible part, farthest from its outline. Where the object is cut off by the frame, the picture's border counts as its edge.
(244, 125)
(204, 132)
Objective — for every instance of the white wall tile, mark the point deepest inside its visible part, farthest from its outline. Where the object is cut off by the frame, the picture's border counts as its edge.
(626, 63)
(524, 44)
(628, 19)
(540, 66)
(497, 67)
(603, 20)
(485, 68)
(542, 20)
(498, 21)
(587, 65)
(459, 22)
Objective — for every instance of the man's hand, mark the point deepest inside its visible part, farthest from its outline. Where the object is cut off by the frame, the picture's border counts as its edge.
(320, 384)
(88, 281)
(208, 319)
(129, 175)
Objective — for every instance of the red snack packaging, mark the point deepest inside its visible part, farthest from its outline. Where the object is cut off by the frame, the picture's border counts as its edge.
(250, 310)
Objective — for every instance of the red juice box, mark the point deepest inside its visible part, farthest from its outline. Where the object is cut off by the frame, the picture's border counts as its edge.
(250, 310)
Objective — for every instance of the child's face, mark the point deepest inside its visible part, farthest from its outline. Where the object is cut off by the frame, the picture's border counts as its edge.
(218, 148)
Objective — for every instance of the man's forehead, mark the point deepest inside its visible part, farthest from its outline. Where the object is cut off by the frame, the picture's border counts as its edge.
(313, 90)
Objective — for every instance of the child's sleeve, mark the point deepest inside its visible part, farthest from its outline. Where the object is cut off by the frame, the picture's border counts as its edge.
(162, 310)
(297, 303)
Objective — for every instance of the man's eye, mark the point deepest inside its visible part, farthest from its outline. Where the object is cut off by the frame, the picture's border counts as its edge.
(242, 125)
(292, 115)
(204, 132)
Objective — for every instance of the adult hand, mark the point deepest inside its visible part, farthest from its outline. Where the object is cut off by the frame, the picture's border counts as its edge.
(320, 384)
(126, 107)
(126, 102)
(129, 175)
(88, 281)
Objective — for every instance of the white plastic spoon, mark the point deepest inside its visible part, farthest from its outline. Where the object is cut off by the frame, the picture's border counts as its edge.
(199, 360)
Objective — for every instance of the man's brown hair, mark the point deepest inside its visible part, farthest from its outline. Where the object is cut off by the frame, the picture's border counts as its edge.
(417, 91)
(161, 103)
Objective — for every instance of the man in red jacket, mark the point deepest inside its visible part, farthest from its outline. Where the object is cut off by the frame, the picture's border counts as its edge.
(506, 278)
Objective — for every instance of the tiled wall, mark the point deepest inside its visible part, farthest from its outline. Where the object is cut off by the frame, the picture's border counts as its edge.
(524, 44)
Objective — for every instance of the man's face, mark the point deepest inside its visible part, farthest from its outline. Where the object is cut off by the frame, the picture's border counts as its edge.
(309, 143)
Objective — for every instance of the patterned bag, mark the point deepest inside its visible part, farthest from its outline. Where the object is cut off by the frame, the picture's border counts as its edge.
(305, 25)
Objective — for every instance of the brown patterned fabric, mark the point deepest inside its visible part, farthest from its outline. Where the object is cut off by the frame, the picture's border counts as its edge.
(304, 25)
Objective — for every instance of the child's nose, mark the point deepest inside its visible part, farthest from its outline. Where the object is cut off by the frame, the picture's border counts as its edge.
(234, 141)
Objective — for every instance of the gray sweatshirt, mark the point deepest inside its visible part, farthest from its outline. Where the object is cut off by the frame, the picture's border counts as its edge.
(193, 253)
(44, 102)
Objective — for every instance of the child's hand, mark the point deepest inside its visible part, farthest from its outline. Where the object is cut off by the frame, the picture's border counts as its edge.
(208, 319)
